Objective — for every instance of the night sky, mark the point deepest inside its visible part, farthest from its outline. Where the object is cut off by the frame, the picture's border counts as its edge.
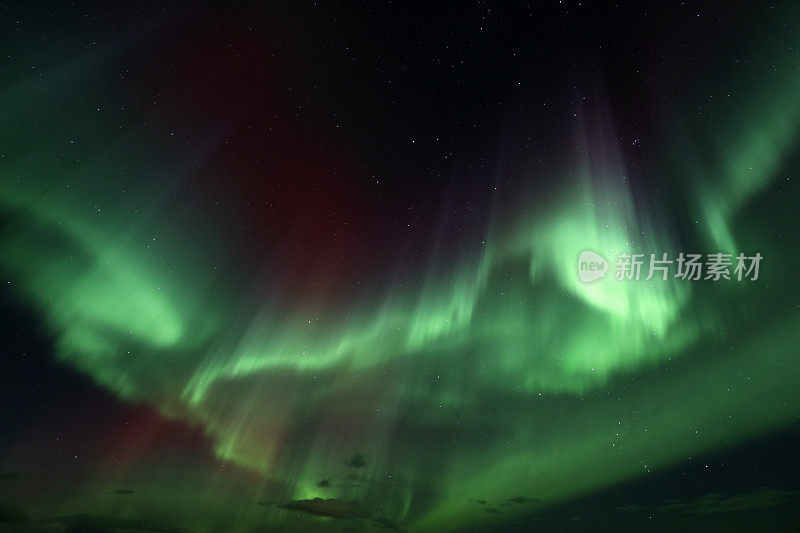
(315, 266)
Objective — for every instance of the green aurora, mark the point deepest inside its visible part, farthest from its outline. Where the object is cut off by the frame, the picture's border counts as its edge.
(498, 375)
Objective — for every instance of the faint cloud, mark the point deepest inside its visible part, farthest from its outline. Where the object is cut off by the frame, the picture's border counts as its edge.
(333, 507)
(357, 461)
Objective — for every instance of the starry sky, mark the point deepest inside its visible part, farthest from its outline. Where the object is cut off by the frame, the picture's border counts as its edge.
(313, 266)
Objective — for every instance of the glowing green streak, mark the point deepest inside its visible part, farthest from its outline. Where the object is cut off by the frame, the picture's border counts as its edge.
(470, 353)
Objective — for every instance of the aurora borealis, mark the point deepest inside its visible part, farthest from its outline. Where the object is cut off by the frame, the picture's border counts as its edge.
(314, 268)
